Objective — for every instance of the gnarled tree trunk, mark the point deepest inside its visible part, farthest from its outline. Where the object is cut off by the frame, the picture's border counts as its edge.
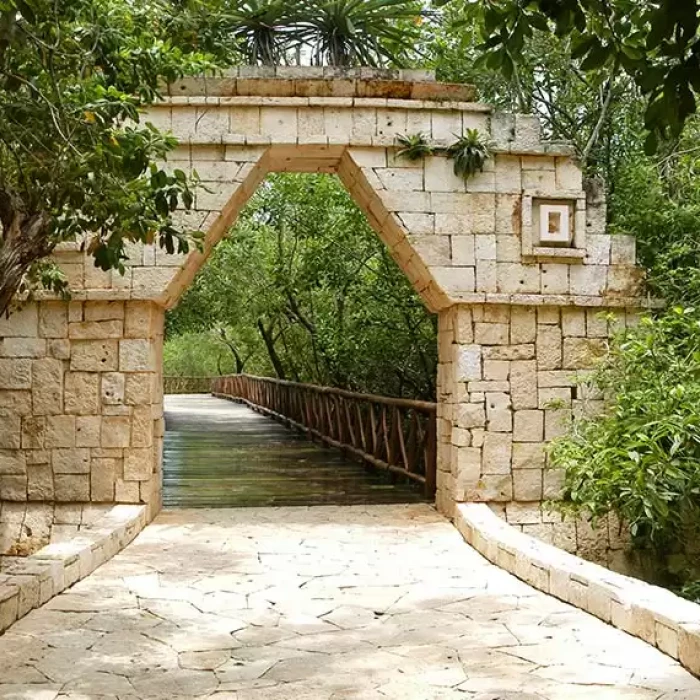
(24, 241)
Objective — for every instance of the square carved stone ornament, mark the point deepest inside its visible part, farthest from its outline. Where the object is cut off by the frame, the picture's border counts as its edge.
(555, 227)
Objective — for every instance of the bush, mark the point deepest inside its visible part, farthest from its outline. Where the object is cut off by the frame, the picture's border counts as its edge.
(641, 458)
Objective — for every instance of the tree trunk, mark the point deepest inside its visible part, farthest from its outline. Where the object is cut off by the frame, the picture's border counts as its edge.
(24, 241)
(271, 351)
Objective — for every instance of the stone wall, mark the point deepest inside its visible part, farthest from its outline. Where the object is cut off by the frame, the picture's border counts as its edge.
(81, 402)
(511, 378)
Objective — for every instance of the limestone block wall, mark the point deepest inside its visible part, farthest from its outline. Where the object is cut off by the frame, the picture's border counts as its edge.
(458, 242)
(509, 381)
(81, 402)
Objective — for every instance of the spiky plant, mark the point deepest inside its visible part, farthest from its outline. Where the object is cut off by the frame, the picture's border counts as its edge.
(413, 146)
(469, 154)
(262, 28)
(359, 32)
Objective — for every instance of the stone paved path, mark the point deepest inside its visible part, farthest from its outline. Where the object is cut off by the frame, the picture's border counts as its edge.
(370, 603)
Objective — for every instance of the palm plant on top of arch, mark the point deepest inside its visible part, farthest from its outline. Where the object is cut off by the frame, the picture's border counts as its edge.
(263, 29)
(358, 32)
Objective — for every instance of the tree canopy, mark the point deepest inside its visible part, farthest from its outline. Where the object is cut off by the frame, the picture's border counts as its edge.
(75, 159)
(655, 42)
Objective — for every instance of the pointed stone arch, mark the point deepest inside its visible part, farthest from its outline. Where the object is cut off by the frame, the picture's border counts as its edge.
(246, 169)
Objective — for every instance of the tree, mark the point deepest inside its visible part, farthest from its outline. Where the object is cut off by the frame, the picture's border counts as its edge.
(599, 112)
(655, 42)
(76, 163)
(335, 32)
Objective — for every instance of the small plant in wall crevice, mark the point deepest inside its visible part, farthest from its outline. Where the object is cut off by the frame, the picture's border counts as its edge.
(469, 154)
(414, 146)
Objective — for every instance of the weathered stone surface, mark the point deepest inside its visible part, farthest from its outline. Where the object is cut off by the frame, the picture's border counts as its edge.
(15, 373)
(497, 453)
(40, 482)
(16, 402)
(548, 347)
(102, 477)
(22, 347)
(528, 426)
(523, 383)
(96, 330)
(138, 388)
(104, 311)
(94, 356)
(582, 353)
(47, 387)
(71, 461)
(87, 431)
(13, 462)
(116, 431)
(113, 384)
(23, 322)
(469, 362)
(528, 456)
(138, 464)
(527, 485)
(491, 333)
(13, 487)
(141, 427)
(59, 431)
(81, 393)
(72, 487)
(136, 356)
(10, 431)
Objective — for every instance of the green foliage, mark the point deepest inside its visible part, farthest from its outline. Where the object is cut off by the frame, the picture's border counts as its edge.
(469, 154)
(197, 354)
(360, 32)
(691, 591)
(74, 157)
(261, 29)
(641, 458)
(599, 112)
(658, 201)
(328, 32)
(413, 146)
(303, 288)
(656, 43)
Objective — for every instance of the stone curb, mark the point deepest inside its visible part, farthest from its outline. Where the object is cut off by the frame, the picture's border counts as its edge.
(653, 614)
(33, 581)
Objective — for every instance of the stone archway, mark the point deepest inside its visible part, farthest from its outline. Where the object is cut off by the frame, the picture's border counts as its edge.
(80, 381)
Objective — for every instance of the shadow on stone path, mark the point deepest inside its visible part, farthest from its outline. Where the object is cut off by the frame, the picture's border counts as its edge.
(366, 602)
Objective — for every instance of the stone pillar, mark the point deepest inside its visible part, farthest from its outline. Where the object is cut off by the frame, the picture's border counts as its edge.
(81, 402)
(510, 381)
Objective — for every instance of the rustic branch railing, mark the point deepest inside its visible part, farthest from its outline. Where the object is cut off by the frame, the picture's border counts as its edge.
(187, 385)
(394, 434)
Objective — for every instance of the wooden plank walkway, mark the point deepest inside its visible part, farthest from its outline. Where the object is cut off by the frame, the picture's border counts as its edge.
(220, 454)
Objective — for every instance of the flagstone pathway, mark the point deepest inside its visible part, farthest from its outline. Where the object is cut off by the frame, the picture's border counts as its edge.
(365, 602)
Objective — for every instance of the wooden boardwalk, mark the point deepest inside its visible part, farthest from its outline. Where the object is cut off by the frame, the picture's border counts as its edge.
(220, 454)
